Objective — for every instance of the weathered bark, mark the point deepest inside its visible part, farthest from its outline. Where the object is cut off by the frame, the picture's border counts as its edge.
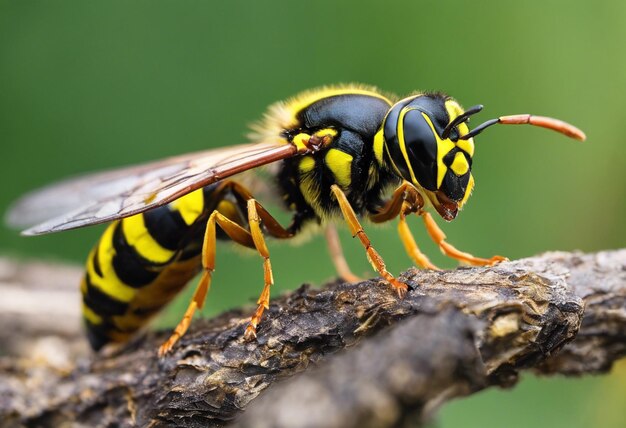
(455, 333)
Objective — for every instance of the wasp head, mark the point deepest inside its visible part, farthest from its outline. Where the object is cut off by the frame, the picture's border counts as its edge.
(422, 145)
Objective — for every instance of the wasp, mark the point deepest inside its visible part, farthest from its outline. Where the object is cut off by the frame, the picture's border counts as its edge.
(344, 152)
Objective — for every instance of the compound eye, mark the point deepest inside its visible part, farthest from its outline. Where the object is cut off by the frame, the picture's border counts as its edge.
(421, 147)
(412, 146)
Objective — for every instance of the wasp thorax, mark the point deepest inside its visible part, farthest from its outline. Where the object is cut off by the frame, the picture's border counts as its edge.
(424, 150)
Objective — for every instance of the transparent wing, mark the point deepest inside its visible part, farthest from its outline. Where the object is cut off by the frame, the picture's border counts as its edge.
(109, 195)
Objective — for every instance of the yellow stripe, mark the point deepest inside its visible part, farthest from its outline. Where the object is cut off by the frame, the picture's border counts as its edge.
(310, 190)
(459, 165)
(379, 141)
(443, 147)
(340, 164)
(305, 99)
(91, 316)
(467, 146)
(454, 110)
(393, 164)
(402, 143)
(109, 283)
(190, 206)
(136, 234)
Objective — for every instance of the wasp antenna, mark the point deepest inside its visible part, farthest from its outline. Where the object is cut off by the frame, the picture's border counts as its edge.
(460, 119)
(480, 128)
(529, 119)
(545, 122)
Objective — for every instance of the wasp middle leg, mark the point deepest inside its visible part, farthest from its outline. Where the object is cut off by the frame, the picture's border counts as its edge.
(449, 250)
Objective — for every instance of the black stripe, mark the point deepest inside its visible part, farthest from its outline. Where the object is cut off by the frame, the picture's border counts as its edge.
(130, 267)
(96, 262)
(166, 226)
(100, 302)
(146, 312)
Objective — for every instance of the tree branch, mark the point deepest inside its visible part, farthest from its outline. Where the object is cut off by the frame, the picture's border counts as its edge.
(455, 333)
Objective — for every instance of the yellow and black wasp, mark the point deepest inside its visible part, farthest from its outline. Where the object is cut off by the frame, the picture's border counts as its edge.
(346, 152)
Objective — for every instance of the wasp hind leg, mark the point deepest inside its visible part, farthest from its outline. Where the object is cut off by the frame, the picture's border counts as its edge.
(237, 234)
(357, 231)
(336, 254)
(439, 237)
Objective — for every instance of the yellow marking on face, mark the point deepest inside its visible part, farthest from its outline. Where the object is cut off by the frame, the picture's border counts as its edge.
(467, 146)
(306, 165)
(402, 143)
(340, 164)
(109, 283)
(91, 316)
(443, 147)
(139, 238)
(459, 165)
(379, 141)
(190, 206)
(468, 191)
(454, 110)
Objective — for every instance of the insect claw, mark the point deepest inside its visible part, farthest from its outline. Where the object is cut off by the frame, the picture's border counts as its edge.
(497, 259)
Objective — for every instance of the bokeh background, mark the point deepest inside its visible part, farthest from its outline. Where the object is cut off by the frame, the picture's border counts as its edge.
(92, 85)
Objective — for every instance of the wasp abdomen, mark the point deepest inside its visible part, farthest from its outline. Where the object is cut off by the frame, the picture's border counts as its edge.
(141, 262)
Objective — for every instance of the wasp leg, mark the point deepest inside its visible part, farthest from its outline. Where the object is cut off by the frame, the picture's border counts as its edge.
(271, 225)
(263, 302)
(439, 237)
(395, 204)
(410, 245)
(257, 214)
(405, 200)
(336, 254)
(237, 234)
(357, 230)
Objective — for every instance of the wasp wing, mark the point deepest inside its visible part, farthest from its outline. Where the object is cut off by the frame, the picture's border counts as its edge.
(109, 195)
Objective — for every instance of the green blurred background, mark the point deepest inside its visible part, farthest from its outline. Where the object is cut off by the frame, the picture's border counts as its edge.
(90, 85)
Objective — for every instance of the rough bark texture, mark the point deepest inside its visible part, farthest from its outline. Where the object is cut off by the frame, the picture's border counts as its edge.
(455, 333)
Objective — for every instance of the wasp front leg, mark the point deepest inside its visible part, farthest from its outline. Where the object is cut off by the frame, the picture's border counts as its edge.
(405, 200)
(357, 231)
(437, 235)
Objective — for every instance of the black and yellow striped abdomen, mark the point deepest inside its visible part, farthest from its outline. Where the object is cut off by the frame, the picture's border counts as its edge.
(142, 262)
